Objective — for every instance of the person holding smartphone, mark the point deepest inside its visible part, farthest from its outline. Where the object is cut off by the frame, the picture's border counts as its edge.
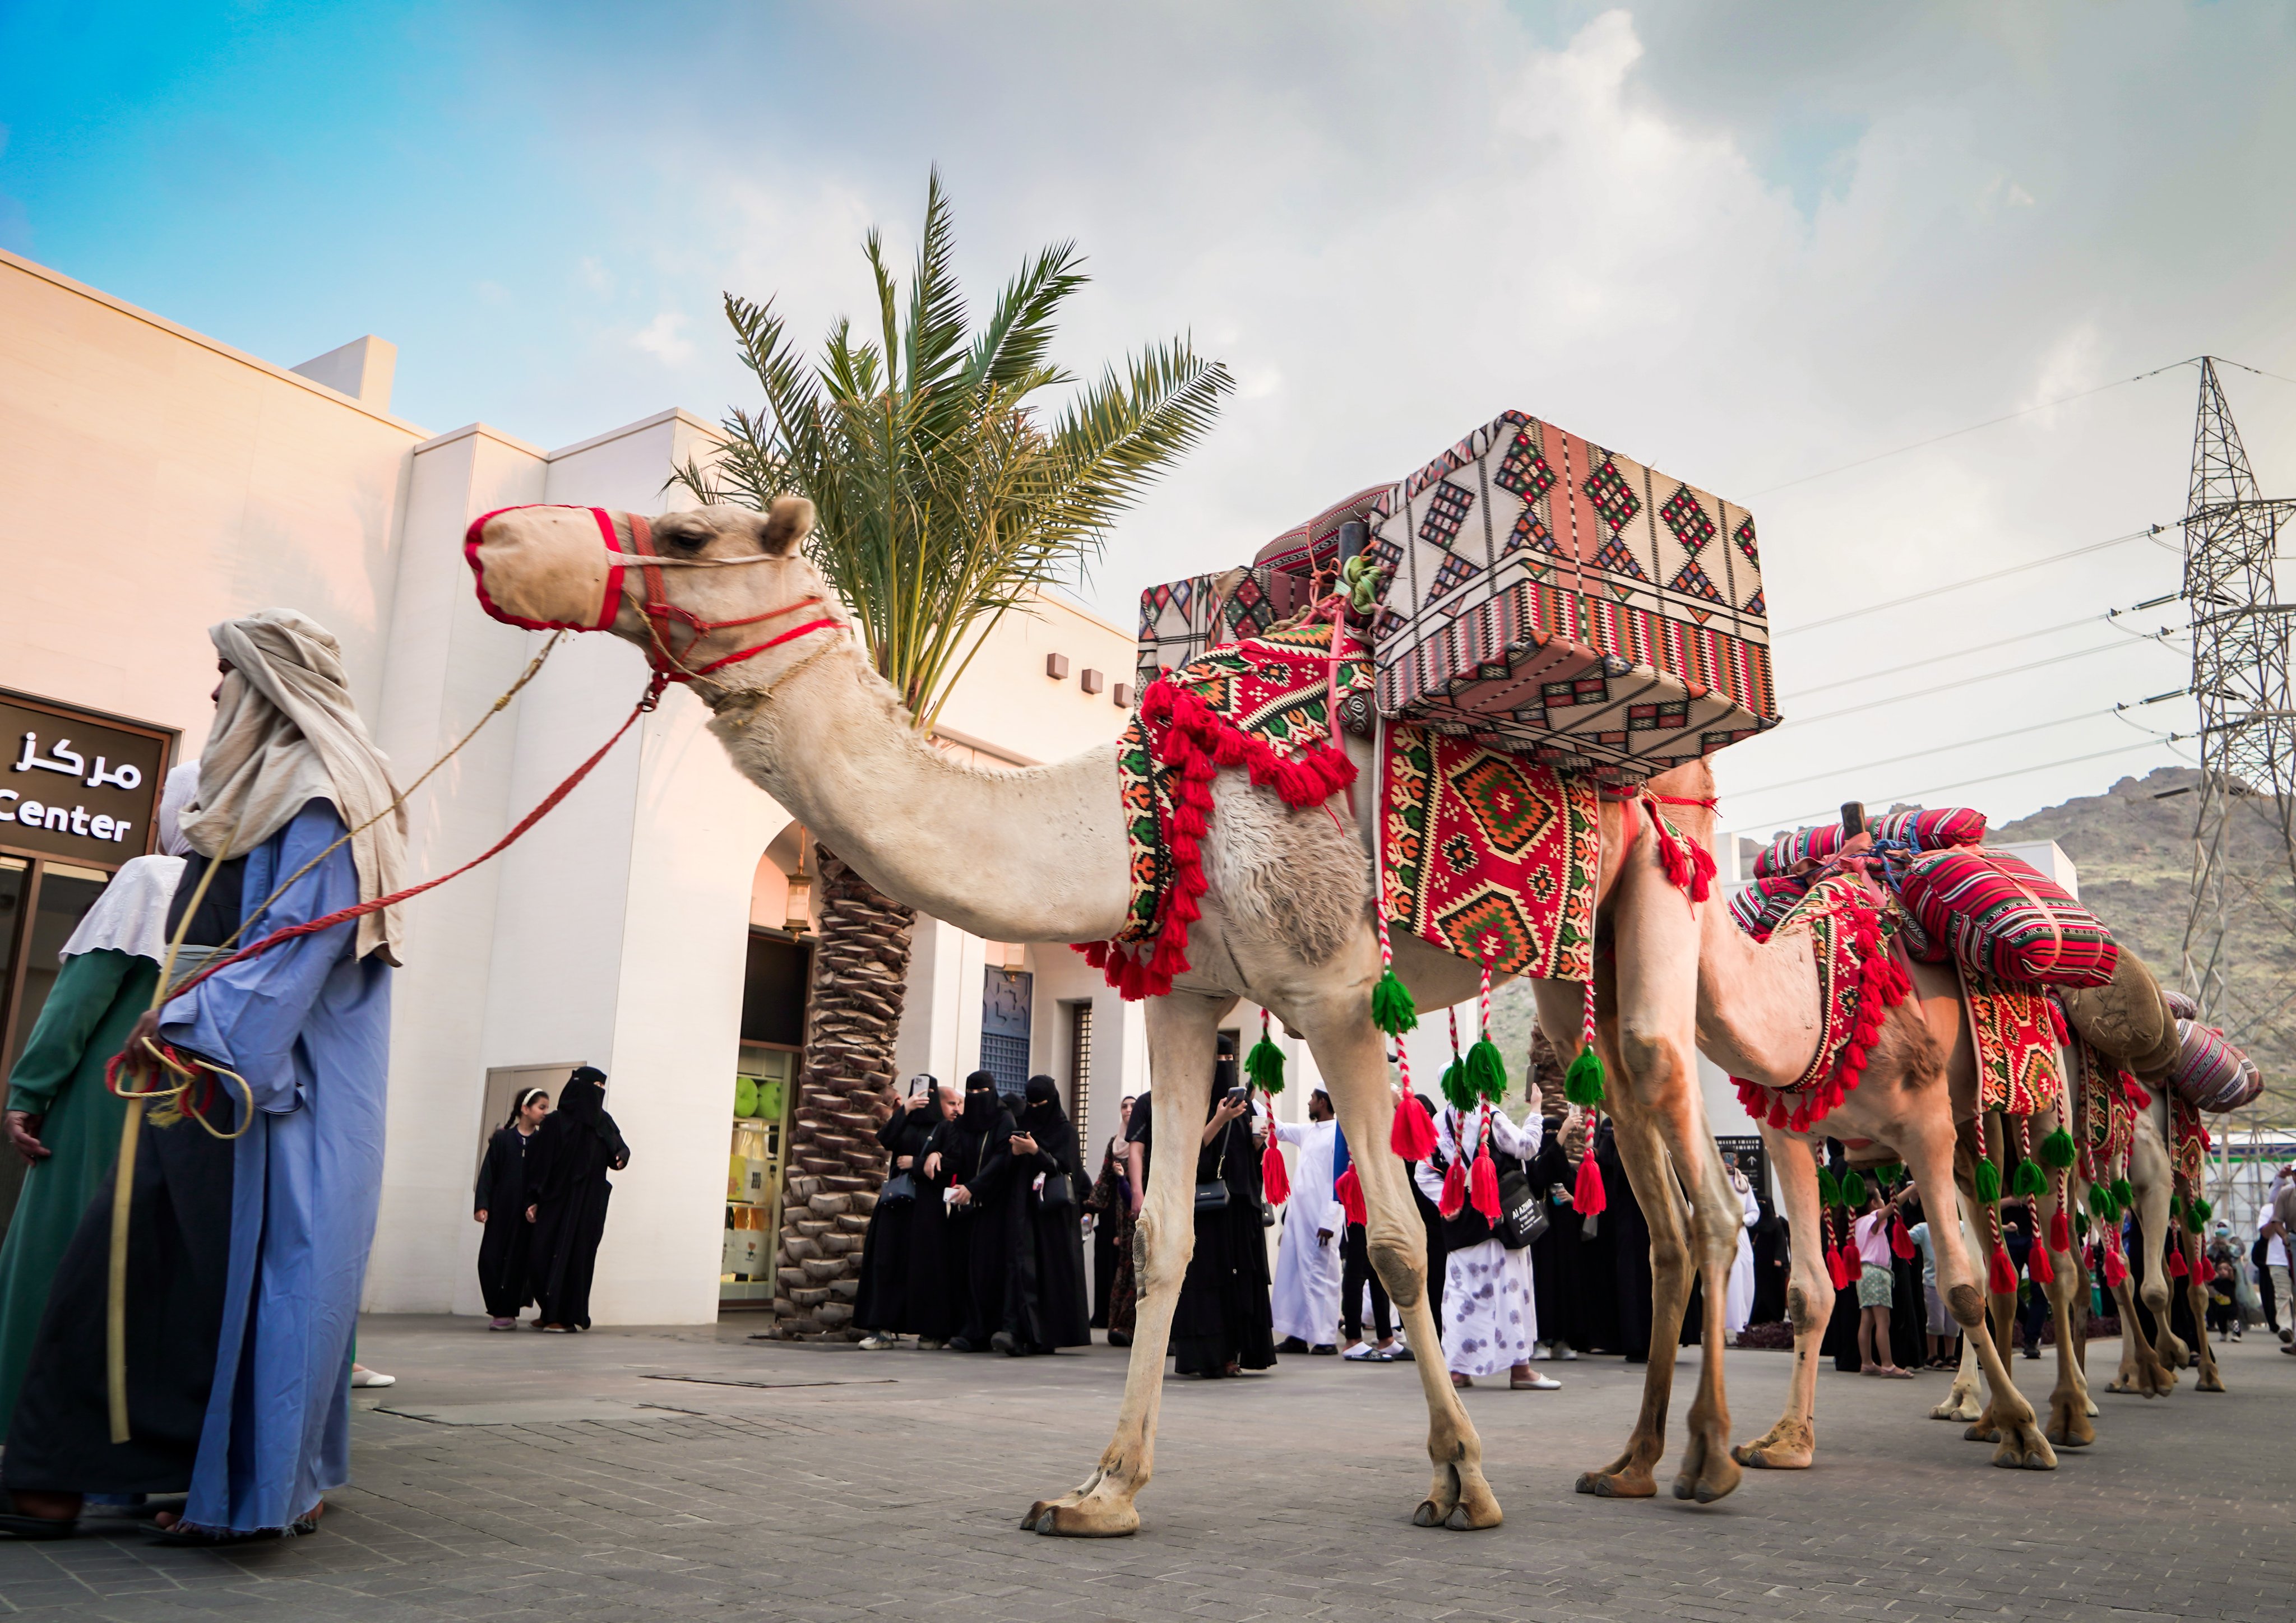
(973, 1153)
(901, 1255)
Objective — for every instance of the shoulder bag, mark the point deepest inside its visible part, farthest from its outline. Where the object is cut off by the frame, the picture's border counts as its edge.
(1522, 1215)
(1211, 1193)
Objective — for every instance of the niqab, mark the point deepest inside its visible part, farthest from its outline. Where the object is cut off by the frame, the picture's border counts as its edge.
(286, 733)
(981, 1104)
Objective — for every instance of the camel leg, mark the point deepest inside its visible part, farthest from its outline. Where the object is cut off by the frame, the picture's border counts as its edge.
(1929, 1156)
(1352, 1057)
(2141, 1371)
(2196, 1298)
(1183, 1041)
(2068, 1405)
(1792, 1443)
(1960, 1402)
(2152, 1228)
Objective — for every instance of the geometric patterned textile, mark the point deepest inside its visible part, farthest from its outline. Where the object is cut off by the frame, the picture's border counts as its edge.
(1185, 619)
(2188, 1146)
(1760, 907)
(1938, 829)
(1852, 942)
(1488, 856)
(1555, 599)
(2006, 918)
(1305, 548)
(2210, 1072)
(2107, 1114)
(2015, 1027)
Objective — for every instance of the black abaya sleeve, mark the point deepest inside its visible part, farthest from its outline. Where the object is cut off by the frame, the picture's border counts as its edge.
(482, 1199)
(618, 1152)
(997, 1164)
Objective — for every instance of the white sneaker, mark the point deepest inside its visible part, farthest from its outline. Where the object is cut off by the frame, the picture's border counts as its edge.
(1541, 1352)
(1537, 1383)
(363, 1376)
(1566, 1352)
(877, 1343)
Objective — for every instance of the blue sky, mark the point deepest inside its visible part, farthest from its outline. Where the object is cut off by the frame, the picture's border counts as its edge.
(1746, 245)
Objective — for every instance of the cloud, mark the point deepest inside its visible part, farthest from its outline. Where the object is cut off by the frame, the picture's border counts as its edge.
(659, 337)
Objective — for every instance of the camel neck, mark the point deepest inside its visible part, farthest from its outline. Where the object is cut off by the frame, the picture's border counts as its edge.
(1757, 1014)
(1012, 854)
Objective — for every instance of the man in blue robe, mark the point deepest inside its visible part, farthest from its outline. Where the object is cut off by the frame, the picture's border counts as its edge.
(294, 822)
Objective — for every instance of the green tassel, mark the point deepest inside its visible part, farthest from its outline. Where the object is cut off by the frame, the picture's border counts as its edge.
(1264, 1066)
(1829, 1190)
(1582, 1084)
(2081, 1223)
(2124, 1195)
(2202, 1211)
(1853, 1191)
(1887, 1176)
(2175, 1207)
(1988, 1181)
(1391, 1008)
(1455, 1085)
(2057, 1149)
(2029, 1180)
(2101, 1203)
(1487, 1071)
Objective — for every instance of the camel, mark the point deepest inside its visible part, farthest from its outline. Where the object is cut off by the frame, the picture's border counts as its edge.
(1760, 1019)
(1038, 854)
(2149, 1367)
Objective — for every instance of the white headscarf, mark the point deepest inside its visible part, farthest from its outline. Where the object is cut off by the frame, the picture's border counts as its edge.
(286, 733)
(131, 914)
(182, 783)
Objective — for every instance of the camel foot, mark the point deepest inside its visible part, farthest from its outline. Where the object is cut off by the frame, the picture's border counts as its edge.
(1461, 1500)
(1708, 1473)
(2090, 1408)
(2069, 1426)
(1097, 1510)
(1628, 1483)
(1983, 1431)
(1791, 1445)
(1960, 1403)
(2024, 1448)
(2208, 1380)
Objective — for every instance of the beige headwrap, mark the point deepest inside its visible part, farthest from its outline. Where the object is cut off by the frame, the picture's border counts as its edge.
(287, 733)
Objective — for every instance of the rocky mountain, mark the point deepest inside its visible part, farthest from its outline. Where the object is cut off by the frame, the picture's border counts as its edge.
(2132, 847)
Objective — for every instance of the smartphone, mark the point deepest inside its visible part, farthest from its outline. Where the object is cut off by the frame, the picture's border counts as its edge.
(1239, 1095)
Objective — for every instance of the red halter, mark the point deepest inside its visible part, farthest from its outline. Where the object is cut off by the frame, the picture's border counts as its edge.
(660, 612)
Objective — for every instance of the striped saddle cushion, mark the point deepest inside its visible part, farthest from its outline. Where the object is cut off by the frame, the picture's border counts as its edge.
(1939, 830)
(1759, 907)
(2004, 917)
(2211, 1074)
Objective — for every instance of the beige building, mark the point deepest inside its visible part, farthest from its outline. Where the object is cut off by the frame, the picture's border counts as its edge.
(157, 481)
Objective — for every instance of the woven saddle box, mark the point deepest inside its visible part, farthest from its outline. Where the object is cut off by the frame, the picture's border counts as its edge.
(1559, 600)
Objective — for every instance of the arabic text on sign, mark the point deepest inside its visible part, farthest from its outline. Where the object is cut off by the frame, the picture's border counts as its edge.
(61, 758)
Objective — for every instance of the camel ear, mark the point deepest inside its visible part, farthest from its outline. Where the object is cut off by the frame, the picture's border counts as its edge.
(788, 521)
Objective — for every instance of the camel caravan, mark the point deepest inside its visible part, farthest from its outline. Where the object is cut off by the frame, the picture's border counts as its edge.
(1452, 730)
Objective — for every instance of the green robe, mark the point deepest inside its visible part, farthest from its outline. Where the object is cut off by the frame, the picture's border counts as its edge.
(85, 1020)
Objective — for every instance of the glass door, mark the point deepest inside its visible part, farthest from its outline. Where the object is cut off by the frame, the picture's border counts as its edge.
(765, 1091)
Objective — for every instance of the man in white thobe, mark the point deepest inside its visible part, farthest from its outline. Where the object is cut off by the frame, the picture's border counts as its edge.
(1306, 1293)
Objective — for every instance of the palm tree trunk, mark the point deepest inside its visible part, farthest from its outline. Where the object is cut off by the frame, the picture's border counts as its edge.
(845, 1088)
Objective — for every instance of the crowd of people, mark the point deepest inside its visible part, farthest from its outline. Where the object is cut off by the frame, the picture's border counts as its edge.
(541, 1195)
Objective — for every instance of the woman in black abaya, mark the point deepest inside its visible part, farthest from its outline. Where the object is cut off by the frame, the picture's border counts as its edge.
(1223, 1324)
(500, 1202)
(1044, 1292)
(890, 1250)
(568, 1161)
(973, 1153)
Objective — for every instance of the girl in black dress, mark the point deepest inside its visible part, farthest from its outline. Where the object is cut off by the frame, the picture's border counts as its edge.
(500, 1204)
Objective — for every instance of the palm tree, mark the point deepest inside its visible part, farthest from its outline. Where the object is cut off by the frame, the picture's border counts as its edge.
(946, 496)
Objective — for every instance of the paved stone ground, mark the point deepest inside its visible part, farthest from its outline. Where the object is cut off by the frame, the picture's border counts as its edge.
(569, 1477)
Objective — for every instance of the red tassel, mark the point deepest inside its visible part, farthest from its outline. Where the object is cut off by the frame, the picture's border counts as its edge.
(1095, 953)
(1274, 1179)
(1837, 1268)
(1455, 1189)
(2060, 1232)
(1901, 1240)
(1412, 1134)
(2176, 1266)
(2002, 1275)
(1588, 1193)
(2038, 1267)
(1349, 1189)
(2116, 1270)
(1483, 1186)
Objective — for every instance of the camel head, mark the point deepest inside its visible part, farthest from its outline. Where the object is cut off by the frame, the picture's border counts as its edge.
(707, 591)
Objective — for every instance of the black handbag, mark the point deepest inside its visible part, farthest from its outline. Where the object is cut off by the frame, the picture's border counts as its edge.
(1522, 1215)
(1058, 1193)
(1211, 1194)
(897, 1188)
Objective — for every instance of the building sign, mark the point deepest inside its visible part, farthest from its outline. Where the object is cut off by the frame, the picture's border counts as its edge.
(77, 785)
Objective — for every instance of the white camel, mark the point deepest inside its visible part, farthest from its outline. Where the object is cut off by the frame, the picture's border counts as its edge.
(1038, 854)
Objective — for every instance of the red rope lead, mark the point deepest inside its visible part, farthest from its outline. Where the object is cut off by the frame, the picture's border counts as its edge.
(345, 915)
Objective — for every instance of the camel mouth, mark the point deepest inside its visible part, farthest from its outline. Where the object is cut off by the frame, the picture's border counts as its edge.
(548, 567)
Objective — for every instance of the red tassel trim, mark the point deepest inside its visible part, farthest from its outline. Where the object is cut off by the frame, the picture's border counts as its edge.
(1349, 1189)
(1588, 1193)
(2038, 1267)
(1483, 1186)
(2060, 1232)
(2001, 1275)
(2115, 1269)
(1901, 1240)
(1837, 1268)
(1412, 1134)
(2178, 1269)
(1276, 1179)
(1455, 1190)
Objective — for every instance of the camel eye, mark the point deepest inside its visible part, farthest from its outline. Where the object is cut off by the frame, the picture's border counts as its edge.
(686, 540)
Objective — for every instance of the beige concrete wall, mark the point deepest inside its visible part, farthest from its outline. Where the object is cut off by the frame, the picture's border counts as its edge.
(158, 481)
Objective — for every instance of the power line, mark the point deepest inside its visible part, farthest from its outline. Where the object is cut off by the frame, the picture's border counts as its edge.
(2258, 371)
(1974, 580)
(2022, 637)
(1907, 794)
(1914, 755)
(1975, 427)
(2014, 670)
